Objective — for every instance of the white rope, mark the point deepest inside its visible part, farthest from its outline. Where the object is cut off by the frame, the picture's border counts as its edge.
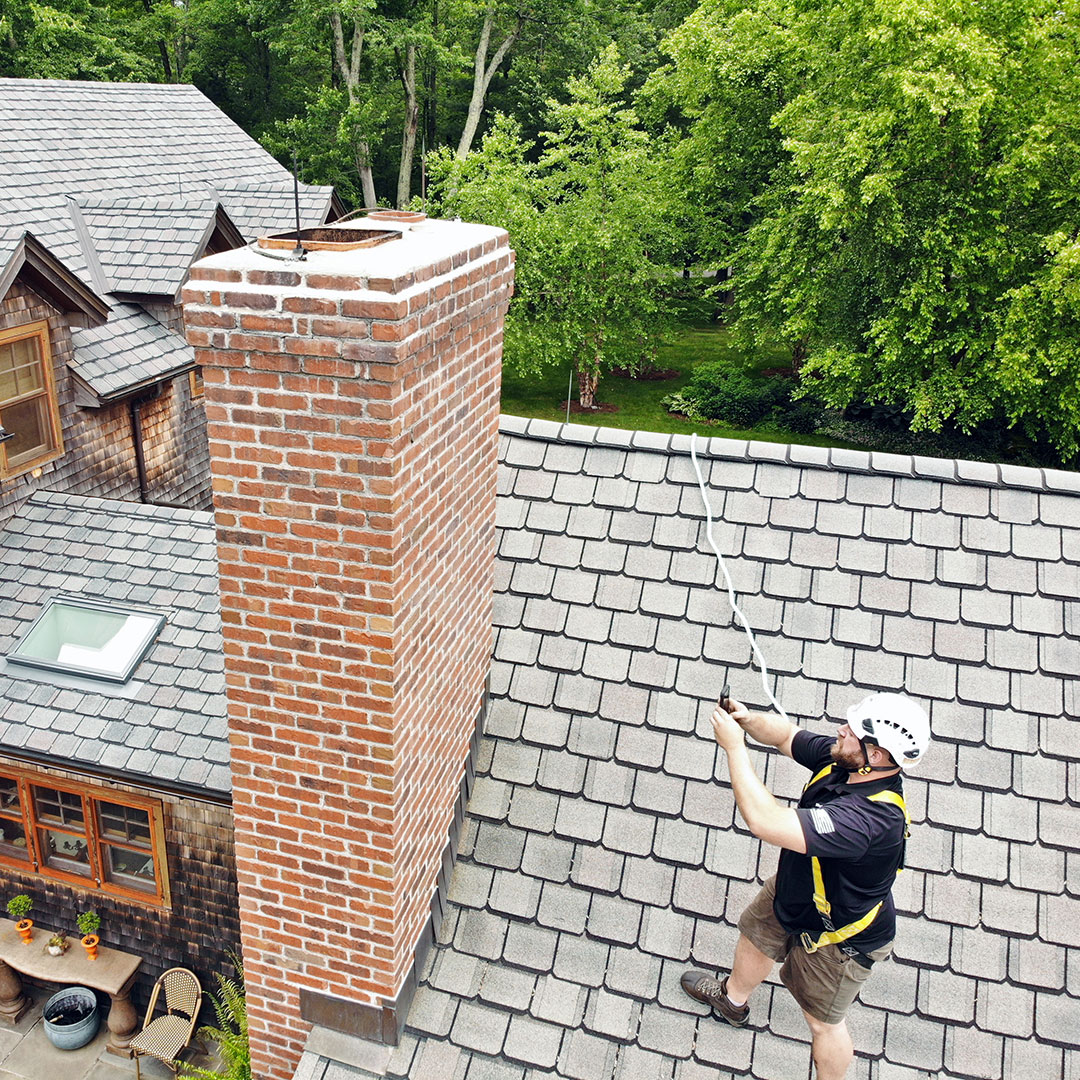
(731, 588)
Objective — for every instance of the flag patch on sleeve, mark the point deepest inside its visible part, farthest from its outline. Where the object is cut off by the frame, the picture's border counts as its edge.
(823, 824)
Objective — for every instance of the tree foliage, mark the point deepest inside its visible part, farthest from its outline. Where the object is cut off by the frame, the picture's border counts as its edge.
(894, 185)
(590, 223)
(66, 39)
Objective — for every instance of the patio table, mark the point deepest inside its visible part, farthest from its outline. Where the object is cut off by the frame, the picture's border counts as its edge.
(113, 972)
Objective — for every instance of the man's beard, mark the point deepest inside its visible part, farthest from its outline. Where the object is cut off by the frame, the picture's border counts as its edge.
(852, 760)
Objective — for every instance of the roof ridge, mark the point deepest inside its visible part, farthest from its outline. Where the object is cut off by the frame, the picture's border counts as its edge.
(82, 83)
(949, 470)
(156, 202)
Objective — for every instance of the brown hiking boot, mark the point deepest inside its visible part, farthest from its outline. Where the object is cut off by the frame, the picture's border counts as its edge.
(703, 987)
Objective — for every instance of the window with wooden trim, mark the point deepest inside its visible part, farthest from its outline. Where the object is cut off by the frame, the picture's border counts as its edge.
(107, 841)
(195, 384)
(28, 409)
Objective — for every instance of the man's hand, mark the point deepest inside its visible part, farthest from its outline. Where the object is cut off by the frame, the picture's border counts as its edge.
(736, 710)
(726, 728)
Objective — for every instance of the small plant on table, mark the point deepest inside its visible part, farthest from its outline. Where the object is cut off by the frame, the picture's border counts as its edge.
(89, 922)
(57, 945)
(19, 908)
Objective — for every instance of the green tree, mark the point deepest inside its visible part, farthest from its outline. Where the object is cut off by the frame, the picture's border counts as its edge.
(590, 224)
(66, 39)
(900, 195)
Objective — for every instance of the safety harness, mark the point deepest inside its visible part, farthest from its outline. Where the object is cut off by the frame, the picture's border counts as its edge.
(832, 934)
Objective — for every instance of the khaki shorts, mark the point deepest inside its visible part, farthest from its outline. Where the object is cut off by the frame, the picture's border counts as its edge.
(824, 983)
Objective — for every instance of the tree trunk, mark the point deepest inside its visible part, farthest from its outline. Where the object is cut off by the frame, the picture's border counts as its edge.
(483, 70)
(408, 135)
(163, 49)
(432, 97)
(587, 382)
(349, 70)
(798, 355)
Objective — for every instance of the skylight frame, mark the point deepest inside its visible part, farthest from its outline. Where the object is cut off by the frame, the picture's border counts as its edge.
(156, 620)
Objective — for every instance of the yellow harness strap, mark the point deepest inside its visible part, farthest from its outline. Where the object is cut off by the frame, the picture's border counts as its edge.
(836, 935)
(896, 800)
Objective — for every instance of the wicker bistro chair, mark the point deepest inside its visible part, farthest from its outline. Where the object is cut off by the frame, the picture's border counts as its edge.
(165, 1036)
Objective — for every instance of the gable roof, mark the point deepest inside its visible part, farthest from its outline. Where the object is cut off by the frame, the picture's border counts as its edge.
(261, 208)
(146, 246)
(602, 854)
(123, 183)
(174, 730)
(158, 140)
(21, 254)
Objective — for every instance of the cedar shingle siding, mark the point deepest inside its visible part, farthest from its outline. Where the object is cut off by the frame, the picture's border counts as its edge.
(202, 923)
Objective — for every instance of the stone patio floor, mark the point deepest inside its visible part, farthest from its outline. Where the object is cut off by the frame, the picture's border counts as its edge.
(27, 1054)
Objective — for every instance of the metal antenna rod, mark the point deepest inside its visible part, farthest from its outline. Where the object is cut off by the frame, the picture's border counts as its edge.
(298, 251)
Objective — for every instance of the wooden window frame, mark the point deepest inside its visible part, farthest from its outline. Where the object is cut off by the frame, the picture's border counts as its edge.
(91, 796)
(196, 389)
(39, 330)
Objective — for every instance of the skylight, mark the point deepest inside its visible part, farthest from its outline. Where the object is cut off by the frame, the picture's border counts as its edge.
(89, 637)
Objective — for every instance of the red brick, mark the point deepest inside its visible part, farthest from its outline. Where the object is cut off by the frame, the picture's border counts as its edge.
(240, 300)
(310, 305)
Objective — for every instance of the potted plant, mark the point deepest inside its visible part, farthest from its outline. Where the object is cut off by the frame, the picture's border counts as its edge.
(19, 908)
(89, 922)
(57, 945)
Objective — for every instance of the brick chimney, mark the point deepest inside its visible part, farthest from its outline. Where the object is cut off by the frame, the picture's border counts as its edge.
(352, 405)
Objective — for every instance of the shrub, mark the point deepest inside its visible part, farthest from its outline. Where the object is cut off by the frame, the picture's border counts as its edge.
(89, 922)
(723, 393)
(802, 417)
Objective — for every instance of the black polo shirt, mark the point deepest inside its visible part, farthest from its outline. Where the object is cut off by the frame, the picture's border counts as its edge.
(860, 845)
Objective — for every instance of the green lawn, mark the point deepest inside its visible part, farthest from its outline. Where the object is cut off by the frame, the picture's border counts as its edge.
(638, 400)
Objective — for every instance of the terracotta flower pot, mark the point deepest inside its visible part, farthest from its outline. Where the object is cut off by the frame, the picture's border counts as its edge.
(90, 944)
(26, 930)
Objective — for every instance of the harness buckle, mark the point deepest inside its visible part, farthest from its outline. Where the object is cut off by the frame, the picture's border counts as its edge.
(808, 943)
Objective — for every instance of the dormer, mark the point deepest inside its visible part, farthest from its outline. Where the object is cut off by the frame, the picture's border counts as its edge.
(29, 344)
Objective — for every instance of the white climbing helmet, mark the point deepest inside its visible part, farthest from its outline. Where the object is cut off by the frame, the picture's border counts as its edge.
(894, 722)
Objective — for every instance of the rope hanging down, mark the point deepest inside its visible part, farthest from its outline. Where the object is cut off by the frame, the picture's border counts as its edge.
(731, 588)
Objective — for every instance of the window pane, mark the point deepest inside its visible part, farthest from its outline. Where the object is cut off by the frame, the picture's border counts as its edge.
(90, 637)
(63, 851)
(13, 840)
(126, 823)
(9, 795)
(132, 869)
(31, 431)
(21, 370)
(61, 807)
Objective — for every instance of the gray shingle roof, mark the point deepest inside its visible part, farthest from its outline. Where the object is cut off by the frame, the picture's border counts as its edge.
(158, 556)
(602, 855)
(156, 141)
(130, 349)
(149, 165)
(257, 209)
(147, 245)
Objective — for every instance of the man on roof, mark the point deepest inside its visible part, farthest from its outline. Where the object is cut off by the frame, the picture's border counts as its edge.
(827, 914)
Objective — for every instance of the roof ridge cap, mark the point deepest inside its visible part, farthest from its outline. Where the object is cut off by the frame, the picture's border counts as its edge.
(840, 459)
